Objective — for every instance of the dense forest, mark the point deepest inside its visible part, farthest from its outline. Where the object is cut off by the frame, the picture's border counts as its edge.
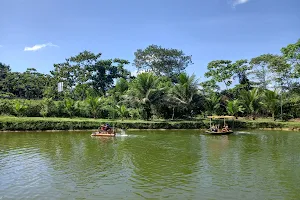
(264, 86)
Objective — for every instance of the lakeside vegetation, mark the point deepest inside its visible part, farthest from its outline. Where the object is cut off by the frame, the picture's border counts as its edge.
(51, 123)
(266, 86)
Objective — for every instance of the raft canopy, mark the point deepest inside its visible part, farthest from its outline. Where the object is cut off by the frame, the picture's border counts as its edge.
(220, 117)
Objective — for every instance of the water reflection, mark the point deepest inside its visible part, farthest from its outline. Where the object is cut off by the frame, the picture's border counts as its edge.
(145, 165)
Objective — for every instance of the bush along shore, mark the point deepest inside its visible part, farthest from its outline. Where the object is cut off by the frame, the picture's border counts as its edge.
(32, 124)
(42, 124)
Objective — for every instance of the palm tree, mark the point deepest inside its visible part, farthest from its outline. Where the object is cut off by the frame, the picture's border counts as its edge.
(251, 101)
(212, 104)
(144, 91)
(20, 108)
(271, 101)
(234, 107)
(184, 91)
(94, 104)
(122, 111)
(69, 106)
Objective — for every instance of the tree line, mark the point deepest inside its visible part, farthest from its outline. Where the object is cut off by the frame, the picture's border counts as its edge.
(264, 86)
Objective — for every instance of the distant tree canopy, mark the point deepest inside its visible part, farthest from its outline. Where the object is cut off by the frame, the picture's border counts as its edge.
(93, 87)
(162, 61)
(87, 70)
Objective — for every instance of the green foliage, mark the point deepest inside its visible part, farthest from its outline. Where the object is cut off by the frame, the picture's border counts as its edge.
(161, 61)
(226, 71)
(251, 101)
(104, 72)
(212, 104)
(123, 112)
(47, 107)
(183, 93)
(271, 101)
(220, 71)
(134, 113)
(14, 124)
(20, 107)
(94, 87)
(94, 105)
(6, 107)
(69, 106)
(33, 108)
(144, 92)
(291, 54)
(261, 70)
(234, 107)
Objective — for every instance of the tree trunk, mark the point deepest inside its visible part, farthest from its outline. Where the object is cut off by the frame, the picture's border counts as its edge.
(173, 114)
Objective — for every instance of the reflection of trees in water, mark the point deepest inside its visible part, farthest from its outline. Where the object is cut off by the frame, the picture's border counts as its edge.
(164, 162)
(257, 161)
(157, 164)
(72, 156)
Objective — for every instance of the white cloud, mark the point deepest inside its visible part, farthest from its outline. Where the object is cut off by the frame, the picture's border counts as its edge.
(39, 46)
(234, 3)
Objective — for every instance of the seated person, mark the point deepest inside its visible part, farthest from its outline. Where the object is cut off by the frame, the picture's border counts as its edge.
(225, 129)
(101, 128)
(107, 127)
(213, 128)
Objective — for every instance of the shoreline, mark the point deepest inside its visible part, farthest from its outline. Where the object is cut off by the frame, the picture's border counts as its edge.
(133, 130)
(31, 124)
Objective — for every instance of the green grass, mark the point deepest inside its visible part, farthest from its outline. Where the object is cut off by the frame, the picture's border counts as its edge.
(8, 123)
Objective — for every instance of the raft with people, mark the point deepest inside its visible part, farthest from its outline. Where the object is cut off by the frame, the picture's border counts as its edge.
(105, 130)
(216, 129)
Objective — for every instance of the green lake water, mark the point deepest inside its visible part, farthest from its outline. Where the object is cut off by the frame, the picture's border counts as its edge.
(150, 165)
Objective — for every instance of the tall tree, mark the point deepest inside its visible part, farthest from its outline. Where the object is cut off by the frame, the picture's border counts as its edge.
(226, 71)
(76, 69)
(291, 54)
(271, 101)
(184, 91)
(105, 72)
(251, 101)
(261, 70)
(144, 91)
(241, 70)
(162, 61)
(281, 71)
(220, 71)
(4, 72)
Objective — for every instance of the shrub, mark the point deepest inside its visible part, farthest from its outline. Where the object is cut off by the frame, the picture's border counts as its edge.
(6, 107)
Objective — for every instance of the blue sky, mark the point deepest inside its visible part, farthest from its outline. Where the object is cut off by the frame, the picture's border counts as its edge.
(206, 29)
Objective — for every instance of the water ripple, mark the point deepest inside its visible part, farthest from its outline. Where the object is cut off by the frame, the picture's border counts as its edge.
(150, 166)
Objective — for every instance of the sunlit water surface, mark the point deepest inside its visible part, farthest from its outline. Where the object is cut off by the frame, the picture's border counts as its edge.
(150, 165)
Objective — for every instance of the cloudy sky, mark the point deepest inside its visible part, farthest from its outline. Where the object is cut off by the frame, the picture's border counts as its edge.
(37, 33)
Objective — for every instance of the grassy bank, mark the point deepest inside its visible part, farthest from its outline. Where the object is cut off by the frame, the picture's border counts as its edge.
(39, 123)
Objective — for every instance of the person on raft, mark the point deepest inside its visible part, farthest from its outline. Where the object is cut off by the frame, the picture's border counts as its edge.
(104, 128)
(107, 127)
(101, 128)
(225, 128)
